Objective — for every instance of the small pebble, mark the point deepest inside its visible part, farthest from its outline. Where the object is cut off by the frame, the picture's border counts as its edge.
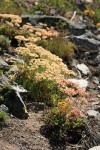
(98, 96)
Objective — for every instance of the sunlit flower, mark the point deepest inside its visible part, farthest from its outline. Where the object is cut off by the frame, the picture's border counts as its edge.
(70, 91)
(14, 19)
(89, 12)
(83, 100)
(81, 91)
(98, 24)
(63, 105)
(75, 111)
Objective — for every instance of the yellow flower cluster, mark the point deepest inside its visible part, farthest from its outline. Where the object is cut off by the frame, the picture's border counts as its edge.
(63, 105)
(15, 20)
(88, 12)
(7, 1)
(28, 39)
(98, 24)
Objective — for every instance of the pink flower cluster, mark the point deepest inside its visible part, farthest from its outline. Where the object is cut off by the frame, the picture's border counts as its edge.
(64, 82)
(75, 111)
(72, 90)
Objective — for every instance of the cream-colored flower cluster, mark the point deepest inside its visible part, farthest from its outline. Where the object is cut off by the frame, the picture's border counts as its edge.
(11, 20)
(44, 32)
(28, 39)
(39, 57)
(29, 33)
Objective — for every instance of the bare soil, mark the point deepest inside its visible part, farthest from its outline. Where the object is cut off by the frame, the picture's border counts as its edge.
(24, 134)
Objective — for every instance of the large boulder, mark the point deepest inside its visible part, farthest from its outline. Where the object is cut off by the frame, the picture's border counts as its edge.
(52, 21)
(15, 104)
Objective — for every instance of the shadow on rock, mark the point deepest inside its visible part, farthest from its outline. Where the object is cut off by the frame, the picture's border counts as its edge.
(15, 104)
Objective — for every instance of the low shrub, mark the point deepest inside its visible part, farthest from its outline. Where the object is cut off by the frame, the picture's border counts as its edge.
(63, 118)
(68, 114)
(46, 91)
(59, 46)
(42, 90)
(96, 16)
(10, 7)
(8, 31)
(95, 6)
(3, 118)
(4, 42)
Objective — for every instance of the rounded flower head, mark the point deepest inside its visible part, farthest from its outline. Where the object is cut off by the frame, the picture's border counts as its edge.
(63, 105)
(75, 111)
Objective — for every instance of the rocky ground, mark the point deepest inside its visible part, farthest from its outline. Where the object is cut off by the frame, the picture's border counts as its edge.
(28, 134)
(24, 134)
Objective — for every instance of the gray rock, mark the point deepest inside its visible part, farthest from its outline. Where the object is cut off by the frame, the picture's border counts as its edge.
(35, 19)
(98, 58)
(97, 71)
(98, 95)
(96, 80)
(74, 62)
(15, 104)
(1, 135)
(83, 68)
(98, 86)
(92, 113)
(90, 40)
(14, 69)
(19, 89)
(3, 64)
(97, 37)
(21, 61)
(97, 31)
(98, 117)
(81, 82)
(4, 108)
(11, 60)
(95, 103)
(95, 148)
(4, 80)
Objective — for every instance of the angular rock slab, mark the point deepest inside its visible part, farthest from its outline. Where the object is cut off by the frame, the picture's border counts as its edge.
(51, 19)
(3, 63)
(4, 108)
(95, 148)
(81, 82)
(4, 80)
(83, 68)
(15, 104)
(92, 113)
